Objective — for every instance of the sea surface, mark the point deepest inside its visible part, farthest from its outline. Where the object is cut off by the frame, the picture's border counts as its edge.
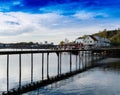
(104, 80)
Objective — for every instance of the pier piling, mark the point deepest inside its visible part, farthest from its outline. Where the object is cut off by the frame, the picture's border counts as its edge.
(70, 62)
(42, 66)
(31, 67)
(20, 71)
(82, 63)
(7, 73)
(47, 65)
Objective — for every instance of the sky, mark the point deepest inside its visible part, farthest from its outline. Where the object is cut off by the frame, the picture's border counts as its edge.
(55, 20)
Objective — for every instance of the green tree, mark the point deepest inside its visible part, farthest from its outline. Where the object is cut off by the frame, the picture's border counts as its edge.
(61, 43)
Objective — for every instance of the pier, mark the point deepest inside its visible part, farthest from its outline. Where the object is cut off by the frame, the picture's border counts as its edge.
(93, 55)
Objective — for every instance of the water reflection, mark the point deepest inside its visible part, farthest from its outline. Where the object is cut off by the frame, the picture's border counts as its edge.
(113, 66)
(98, 81)
(37, 67)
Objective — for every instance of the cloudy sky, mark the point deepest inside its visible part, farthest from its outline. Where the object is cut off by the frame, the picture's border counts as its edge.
(55, 20)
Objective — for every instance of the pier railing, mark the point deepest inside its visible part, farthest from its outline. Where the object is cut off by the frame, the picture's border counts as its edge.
(89, 57)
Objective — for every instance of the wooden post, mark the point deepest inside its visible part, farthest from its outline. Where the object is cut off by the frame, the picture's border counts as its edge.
(20, 71)
(93, 58)
(82, 60)
(70, 62)
(31, 67)
(47, 65)
(76, 62)
(85, 60)
(7, 73)
(60, 63)
(42, 66)
(79, 60)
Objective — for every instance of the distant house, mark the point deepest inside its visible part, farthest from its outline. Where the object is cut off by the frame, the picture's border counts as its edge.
(95, 42)
(79, 40)
(79, 43)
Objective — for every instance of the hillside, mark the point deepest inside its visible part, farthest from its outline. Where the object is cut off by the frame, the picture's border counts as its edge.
(112, 35)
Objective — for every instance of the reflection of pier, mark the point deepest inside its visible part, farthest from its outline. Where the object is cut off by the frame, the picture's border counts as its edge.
(90, 56)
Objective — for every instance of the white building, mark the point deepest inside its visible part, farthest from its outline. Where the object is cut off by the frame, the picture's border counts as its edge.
(95, 42)
(79, 43)
(79, 40)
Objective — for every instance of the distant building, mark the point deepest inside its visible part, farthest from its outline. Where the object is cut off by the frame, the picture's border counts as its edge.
(95, 42)
(46, 42)
(79, 43)
(79, 40)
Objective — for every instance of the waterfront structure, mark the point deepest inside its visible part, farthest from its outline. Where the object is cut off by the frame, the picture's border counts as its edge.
(79, 40)
(79, 55)
(69, 46)
(79, 43)
(95, 42)
(88, 42)
(25, 45)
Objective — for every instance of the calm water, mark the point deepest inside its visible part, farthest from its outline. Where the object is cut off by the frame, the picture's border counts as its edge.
(103, 80)
(98, 81)
(37, 68)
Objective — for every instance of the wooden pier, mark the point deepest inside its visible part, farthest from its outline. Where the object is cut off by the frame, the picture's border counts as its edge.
(95, 55)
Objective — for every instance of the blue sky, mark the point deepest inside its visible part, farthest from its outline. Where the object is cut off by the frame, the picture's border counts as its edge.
(55, 20)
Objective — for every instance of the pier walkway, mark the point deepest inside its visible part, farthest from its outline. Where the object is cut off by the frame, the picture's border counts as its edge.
(93, 55)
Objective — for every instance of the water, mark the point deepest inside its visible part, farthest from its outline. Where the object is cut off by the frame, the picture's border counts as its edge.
(37, 68)
(103, 80)
(98, 81)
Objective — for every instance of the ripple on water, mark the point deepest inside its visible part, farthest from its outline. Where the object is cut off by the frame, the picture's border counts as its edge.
(97, 81)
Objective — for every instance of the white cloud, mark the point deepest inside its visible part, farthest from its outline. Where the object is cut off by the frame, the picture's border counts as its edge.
(28, 26)
(53, 27)
(84, 15)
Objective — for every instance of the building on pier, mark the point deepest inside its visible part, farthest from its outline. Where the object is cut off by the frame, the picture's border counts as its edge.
(95, 42)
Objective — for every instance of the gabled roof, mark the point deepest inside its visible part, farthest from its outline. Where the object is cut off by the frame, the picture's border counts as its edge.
(79, 38)
(93, 38)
